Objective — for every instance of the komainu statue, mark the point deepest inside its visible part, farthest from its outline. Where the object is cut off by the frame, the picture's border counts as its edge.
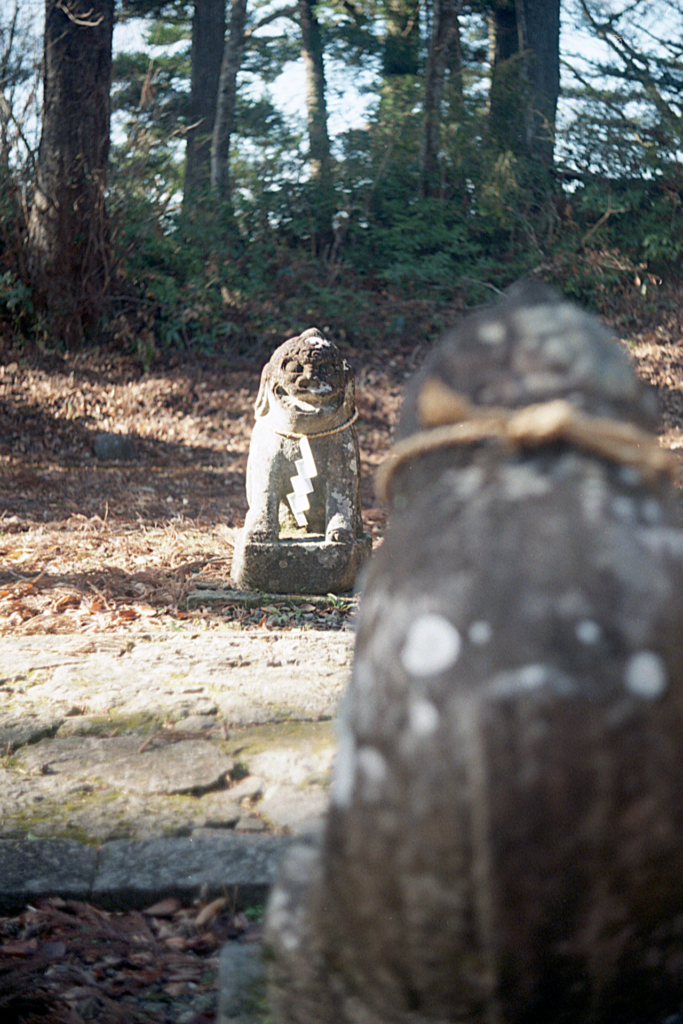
(504, 843)
(303, 472)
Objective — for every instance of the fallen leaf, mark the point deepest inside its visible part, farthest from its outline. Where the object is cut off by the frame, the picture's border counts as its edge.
(164, 908)
(210, 911)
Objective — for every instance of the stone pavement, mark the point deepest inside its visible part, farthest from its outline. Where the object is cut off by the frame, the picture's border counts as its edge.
(136, 767)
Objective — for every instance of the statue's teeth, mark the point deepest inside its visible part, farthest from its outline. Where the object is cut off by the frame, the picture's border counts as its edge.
(305, 469)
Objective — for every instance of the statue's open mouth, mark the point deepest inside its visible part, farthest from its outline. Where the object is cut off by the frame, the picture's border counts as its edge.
(316, 401)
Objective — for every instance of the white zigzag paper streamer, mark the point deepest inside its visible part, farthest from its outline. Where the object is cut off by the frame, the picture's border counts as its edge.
(305, 470)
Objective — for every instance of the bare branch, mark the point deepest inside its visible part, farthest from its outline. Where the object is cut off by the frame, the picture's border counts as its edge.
(80, 20)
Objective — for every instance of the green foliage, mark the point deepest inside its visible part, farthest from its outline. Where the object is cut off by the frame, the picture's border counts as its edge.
(16, 302)
(242, 273)
(423, 250)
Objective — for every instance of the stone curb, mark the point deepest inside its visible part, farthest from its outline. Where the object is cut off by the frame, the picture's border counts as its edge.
(123, 875)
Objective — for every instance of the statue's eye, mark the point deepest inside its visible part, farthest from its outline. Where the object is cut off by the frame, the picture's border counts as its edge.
(293, 367)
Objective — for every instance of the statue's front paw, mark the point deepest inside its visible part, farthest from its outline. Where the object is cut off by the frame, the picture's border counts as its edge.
(259, 536)
(257, 530)
(338, 530)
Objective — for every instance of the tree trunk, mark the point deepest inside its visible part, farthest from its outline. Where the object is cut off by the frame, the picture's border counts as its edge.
(444, 51)
(539, 21)
(208, 32)
(68, 239)
(402, 41)
(508, 92)
(525, 81)
(225, 109)
(318, 140)
(312, 54)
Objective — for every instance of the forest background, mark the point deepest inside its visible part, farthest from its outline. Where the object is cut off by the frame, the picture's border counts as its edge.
(166, 220)
(210, 219)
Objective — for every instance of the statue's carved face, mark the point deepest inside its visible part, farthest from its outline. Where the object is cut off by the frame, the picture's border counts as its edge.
(306, 378)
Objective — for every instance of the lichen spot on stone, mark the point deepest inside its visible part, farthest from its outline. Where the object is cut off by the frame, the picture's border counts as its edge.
(629, 475)
(646, 675)
(491, 332)
(624, 508)
(373, 771)
(588, 631)
(652, 510)
(532, 676)
(432, 646)
(280, 918)
(592, 498)
(480, 632)
(423, 717)
(344, 772)
(363, 674)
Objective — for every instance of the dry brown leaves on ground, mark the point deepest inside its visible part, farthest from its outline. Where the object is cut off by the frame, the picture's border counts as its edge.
(69, 962)
(88, 545)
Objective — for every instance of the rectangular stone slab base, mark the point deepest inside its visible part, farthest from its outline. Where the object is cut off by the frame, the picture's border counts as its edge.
(299, 565)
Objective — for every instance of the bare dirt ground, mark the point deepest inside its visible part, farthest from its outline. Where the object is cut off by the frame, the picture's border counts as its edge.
(90, 546)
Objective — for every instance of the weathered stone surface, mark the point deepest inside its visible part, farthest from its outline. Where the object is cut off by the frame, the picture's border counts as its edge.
(27, 726)
(505, 833)
(241, 980)
(122, 875)
(260, 695)
(299, 565)
(249, 678)
(29, 871)
(245, 865)
(161, 766)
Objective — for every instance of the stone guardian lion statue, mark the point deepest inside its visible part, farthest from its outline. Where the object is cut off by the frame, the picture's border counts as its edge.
(304, 450)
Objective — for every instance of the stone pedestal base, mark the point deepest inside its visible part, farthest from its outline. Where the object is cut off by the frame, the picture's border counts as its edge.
(299, 565)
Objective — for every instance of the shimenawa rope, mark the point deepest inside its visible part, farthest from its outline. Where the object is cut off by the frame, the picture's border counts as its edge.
(449, 418)
(321, 433)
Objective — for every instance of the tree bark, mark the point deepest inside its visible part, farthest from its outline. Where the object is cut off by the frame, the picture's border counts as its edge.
(68, 238)
(444, 51)
(319, 157)
(225, 109)
(508, 93)
(402, 41)
(312, 54)
(539, 22)
(525, 81)
(208, 32)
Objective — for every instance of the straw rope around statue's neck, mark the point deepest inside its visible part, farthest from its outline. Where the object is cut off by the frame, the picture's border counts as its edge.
(320, 433)
(450, 419)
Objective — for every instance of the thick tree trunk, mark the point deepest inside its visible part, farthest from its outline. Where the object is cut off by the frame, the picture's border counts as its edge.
(208, 32)
(444, 51)
(508, 92)
(225, 110)
(312, 54)
(525, 82)
(68, 240)
(540, 28)
(318, 139)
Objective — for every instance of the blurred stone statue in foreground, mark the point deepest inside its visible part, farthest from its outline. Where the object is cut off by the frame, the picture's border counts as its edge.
(303, 475)
(505, 836)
